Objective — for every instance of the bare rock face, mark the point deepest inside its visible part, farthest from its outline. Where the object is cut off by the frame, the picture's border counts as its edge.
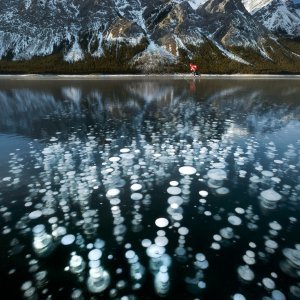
(79, 28)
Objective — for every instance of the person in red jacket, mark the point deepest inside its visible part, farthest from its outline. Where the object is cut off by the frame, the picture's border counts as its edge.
(194, 69)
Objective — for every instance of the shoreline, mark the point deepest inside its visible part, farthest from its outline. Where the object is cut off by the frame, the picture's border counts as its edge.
(142, 76)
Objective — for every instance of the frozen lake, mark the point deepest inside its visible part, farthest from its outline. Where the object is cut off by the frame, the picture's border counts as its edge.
(148, 188)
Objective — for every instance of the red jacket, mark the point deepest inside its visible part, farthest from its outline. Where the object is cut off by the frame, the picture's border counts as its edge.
(193, 68)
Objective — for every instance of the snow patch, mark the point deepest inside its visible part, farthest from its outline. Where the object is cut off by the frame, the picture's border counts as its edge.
(75, 53)
(230, 54)
(195, 4)
(254, 5)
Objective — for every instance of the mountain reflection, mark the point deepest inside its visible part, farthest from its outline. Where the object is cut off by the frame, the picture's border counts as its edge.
(36, 109)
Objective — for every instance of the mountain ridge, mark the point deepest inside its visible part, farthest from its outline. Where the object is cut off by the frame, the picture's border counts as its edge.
(157, 34)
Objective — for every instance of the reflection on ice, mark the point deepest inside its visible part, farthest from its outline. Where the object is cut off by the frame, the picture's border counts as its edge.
(168, 191)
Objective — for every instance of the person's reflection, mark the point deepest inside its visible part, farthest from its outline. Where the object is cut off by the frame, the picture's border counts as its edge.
(193, 86)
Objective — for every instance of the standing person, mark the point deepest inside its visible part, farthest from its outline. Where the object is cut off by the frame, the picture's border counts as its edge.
(194, 69)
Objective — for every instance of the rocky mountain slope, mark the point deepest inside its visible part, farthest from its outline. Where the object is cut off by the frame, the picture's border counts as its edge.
(157, 32)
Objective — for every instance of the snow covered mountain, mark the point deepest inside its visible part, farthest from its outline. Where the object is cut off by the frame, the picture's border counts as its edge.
(279, 16)
(76, 28)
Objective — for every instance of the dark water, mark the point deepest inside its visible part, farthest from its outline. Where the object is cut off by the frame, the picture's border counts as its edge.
(98, 164)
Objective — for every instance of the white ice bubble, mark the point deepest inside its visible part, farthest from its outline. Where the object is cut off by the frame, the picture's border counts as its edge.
(271, 244)
(238, 296)
(234, 220)
(183, 231)
(35, 214)
(68, 239)
(161, 241)
(125, 150)
(95, 254)
(215, 246)
(146, 243)
(217, 174)
(278, 295)
(203, 193)
(112, 193)
(175, 200)
(161, 222)
(136, 187)
(245, 273)
(267, 173)
(239, 210)
(155, 251)
(270, 195)
(275, 225)
(114, 159)
(222, 191)
(174, 183)
(174, 190)
(187, 170)
(268, 283)
(136, 196)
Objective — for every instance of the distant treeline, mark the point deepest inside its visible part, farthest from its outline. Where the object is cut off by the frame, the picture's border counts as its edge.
(284, 58)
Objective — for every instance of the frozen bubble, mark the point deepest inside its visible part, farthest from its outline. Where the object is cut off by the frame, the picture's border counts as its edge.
(235, 220)
(125, 150)
(218, 165)
(6, 179)
(173, 190)
(278, 161)
(217, 237)
(68, 239)
(161, 222)
(254, 179)
(187, 170)
(183, 231)
(227, 233)
(222, 191)
(201, 284)
(146, 243)
(95, 254)
(155, 251)
(114, 158)
(248, 260)
(200, 257)
(207, 213)
(136, 196)
(217, 174)
(245, 273)
(238, 297)
(268, 283)
(267, 173)
(250, 253)
(35, 214)
(215, 246)
(161, 233)
(275, 226)
(252, 245)
(203, 193)
(136, 187)
(175, 200)
(293, 255)
(271, 244)
(161, 241)
(180, 251)
(174, 183)
(112, 193)
(270, 195)
(239, 210)
(130, 254)
(278, 295)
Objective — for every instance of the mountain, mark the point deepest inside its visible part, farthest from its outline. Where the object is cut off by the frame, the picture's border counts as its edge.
(281, 17)
(145, 35)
